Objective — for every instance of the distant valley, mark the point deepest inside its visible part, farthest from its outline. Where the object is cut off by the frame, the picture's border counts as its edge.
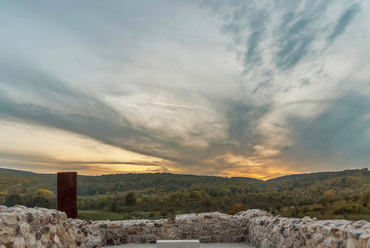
(343, 194)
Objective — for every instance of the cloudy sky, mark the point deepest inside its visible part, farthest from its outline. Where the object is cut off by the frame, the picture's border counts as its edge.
(230, 88)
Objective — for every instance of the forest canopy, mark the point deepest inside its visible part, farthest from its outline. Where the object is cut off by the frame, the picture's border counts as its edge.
(344, 194)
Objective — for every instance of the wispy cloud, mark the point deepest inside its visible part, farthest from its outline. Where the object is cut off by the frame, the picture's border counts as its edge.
(165, 104)
(248, 88)
(344, 21)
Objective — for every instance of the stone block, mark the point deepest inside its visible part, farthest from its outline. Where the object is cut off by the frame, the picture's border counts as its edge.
(9, 218)
(178, 243)
(351, 244)
(7, 235)
(24, 229)
(19, 242)
(363, 240)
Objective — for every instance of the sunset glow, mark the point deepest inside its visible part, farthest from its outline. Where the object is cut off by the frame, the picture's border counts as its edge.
(254, 89)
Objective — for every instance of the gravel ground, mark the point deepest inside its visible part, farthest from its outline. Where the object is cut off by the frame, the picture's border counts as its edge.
(201, 246)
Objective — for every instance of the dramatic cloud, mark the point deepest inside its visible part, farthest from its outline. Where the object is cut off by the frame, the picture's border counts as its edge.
(247, 88)
(344, 21)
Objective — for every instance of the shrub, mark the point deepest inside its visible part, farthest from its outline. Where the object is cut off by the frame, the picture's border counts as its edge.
(196, 195)
(164, 213)
(13, 199)
(131, 199)
(343, 209)
(237, 207)
(207, 201)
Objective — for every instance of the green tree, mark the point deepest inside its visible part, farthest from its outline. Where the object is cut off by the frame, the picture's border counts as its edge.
(119, 209)
(28, 199)
(131, 199)
(165, 198)
(329, 196)
(81, 205)
(13, 199)
(103, 202)
(309, 200)
(346, 196)
(223, 192)
(207, 201)
(43, 198)
(356, 197)
(113, 206)
(164, 213)
(278, 207)
(196, 195)
(365, 198)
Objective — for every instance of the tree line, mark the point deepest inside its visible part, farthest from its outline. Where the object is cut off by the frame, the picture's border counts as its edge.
(162, 194)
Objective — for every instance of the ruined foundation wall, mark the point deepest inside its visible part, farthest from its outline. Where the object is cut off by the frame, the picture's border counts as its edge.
(206, 227)
(22, 227)
(266, 230)
(256, 227)
(39, 227)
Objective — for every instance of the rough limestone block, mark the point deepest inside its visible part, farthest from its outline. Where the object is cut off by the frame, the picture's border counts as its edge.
(178, 244)
(9, 218)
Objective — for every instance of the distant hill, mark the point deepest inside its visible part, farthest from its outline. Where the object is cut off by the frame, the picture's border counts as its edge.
(308, 177)
(10, 173)
(320, 176)
(160, 183)
(165, 183)
(349, 189)
(248, 179)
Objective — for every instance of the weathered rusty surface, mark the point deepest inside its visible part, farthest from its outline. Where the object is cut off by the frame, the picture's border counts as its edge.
(67, 193)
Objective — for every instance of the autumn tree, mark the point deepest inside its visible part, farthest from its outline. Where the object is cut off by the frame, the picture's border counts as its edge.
(223, 192)
(329, 196)
(237, 207)
(356, 197)
(43, 198)
(195, 195)
(207, 201)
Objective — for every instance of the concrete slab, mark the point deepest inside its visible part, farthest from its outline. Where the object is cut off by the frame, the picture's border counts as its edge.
(178, 244)
(202, 245)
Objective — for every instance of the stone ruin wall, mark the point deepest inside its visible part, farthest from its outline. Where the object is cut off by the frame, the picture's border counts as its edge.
(22, 227)
(38, 227)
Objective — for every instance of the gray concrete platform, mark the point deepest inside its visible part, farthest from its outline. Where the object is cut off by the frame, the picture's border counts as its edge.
(201, 246)
(178, 243)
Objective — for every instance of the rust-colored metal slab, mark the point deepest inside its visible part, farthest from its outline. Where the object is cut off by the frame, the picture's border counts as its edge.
(67, 193)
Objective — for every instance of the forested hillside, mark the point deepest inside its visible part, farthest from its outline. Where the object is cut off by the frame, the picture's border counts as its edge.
(343, 194)
(8, 173)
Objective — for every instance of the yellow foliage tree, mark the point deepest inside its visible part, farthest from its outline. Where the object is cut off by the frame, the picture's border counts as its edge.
(43, 193)
(329, 196)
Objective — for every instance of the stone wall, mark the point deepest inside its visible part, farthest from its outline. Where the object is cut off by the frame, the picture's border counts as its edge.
(208, 228)
(22, 227)
(266, 230)
(38, 227)
(256, 227)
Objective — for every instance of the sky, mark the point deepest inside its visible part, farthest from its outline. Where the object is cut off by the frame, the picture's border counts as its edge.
(228, 88)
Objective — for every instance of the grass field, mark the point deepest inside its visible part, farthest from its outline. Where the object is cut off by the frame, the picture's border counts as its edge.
(357, 212)
(95, 214)
(321, 213)
(98, 215)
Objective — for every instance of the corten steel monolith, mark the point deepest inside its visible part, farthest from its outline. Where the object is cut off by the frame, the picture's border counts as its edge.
(67, 193)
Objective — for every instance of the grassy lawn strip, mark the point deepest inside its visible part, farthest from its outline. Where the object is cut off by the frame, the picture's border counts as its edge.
(98, 215)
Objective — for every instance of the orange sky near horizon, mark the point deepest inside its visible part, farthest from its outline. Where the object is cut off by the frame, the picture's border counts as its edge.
(47, 150)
